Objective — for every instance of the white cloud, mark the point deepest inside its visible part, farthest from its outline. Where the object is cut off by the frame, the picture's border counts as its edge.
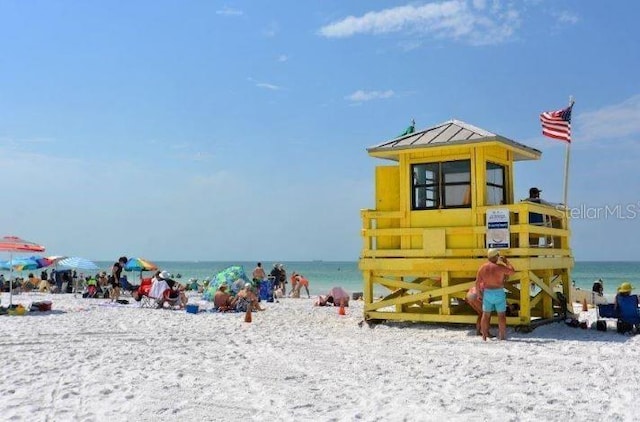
(617, 121)
(453, 19)
(566, 17)
(227, 11)
(361, 96)
(265, 85)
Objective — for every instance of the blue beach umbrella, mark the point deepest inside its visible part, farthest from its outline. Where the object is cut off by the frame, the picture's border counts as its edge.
(78, 263)
(20, 264)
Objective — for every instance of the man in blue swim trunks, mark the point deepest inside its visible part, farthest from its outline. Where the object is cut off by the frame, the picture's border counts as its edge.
(490, 284)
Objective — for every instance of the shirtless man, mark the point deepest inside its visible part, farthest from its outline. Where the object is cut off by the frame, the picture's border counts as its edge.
(258, 273)
(490, 287)
(223, 300)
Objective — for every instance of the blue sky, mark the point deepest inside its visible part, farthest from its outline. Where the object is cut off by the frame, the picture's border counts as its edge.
(208, 130)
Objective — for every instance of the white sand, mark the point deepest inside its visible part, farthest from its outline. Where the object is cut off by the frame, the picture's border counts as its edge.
(88, 361)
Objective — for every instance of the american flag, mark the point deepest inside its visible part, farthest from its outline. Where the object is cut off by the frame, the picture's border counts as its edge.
(557, 124)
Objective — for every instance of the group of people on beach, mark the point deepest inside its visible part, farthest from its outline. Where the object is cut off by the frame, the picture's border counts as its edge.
(161, 289)
(246, 297)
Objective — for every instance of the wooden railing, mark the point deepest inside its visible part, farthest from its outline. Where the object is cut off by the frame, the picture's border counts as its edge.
(552, 235)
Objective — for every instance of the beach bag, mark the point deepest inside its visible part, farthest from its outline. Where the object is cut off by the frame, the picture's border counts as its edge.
(266, 290)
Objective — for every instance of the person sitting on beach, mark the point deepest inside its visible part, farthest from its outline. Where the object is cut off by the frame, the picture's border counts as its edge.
(625, 306)
(624, 290)
(222, 300)
(245, 298)
(337, 296)
(176, 293)
(31, 283)
(158, 286)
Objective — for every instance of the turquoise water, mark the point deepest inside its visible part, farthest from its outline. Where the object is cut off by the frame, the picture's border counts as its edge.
(323, 275)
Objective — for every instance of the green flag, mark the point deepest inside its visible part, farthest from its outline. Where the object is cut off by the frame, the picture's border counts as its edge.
(409, 130)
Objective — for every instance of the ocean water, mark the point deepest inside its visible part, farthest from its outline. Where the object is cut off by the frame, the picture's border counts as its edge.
(323, 275)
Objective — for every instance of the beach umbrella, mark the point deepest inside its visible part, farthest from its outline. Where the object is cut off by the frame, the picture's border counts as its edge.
(228, 276)
(77, 263)
(20, 264)
(54, 259)
(140, 264)
(42, 261)
(14, 244)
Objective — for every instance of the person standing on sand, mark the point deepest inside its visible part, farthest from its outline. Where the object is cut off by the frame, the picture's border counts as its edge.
(116, 273)
(258, 275)
(490, 286)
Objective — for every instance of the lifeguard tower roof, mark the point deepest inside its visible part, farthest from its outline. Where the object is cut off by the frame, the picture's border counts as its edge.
(451, 132)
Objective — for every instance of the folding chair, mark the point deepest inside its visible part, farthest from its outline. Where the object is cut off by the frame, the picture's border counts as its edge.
(126, 288)
(143, 292)
(626, 314)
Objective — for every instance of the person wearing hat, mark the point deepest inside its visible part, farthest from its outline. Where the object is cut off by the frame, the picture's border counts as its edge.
(490, 287)
(624, 290)
(279, 278)
(626, 308)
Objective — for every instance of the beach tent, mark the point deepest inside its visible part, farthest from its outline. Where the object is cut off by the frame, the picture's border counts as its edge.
(230, 276)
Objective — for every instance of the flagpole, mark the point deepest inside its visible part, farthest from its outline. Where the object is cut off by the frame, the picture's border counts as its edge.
(567, 155)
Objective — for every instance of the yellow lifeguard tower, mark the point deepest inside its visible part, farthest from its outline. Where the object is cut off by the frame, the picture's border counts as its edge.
(447, 199)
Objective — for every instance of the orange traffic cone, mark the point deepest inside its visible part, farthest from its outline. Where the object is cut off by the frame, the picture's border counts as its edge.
(341, 311)
(585, 308)
(247, 316)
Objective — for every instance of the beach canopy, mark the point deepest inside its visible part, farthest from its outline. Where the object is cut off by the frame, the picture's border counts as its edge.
(233, 276)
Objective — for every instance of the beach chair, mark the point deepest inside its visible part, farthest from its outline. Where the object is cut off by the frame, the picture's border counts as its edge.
(127, 288)
(626, 314)
(143, 293)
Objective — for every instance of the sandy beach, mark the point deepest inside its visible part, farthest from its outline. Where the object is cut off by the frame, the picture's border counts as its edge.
(89, 360)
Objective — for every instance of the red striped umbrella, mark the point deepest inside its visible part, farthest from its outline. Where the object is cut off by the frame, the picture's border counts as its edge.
(14, 244)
